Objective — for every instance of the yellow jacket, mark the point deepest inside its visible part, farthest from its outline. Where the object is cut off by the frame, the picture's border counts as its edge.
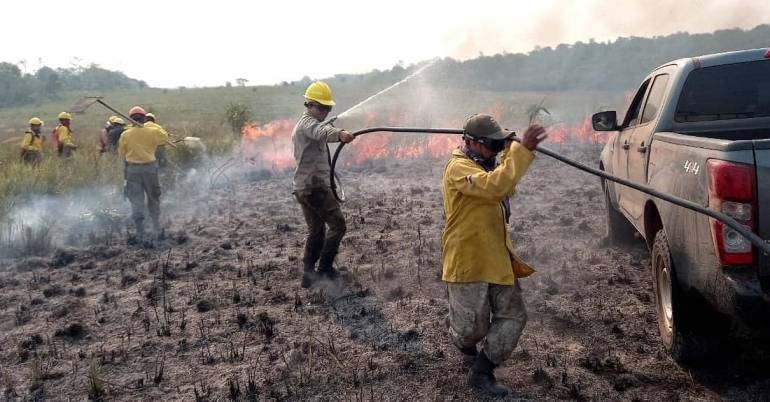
(32, 142)
(476, 246)
(138, 144)
(156, 125)
(65, 135)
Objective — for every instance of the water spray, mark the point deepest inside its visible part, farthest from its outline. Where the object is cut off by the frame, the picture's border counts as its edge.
(727, 220)
(359, 104)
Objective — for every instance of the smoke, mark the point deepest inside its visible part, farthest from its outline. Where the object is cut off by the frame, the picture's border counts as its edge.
(555, 22)
(49, 221)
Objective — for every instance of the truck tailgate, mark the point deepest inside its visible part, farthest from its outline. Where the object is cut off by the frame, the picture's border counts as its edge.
(762, 158)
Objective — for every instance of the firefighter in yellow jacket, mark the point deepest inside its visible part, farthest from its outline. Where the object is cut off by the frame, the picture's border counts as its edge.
(160, 153)
(479, 265)
(63, 139)
(137, 145)
(32, 143)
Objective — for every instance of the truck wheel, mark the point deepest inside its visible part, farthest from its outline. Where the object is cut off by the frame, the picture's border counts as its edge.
(672, 307)
(619, 231)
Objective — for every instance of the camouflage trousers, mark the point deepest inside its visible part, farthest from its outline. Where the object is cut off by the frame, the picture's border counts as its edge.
(320, 208)
(494, 314)
(143, 189)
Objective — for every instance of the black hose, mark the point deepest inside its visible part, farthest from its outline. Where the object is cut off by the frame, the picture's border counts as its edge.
(727, 220)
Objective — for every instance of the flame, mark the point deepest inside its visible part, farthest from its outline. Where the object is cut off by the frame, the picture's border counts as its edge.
(270, 145)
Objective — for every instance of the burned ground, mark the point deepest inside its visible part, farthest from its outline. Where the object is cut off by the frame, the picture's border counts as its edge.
(214, 310)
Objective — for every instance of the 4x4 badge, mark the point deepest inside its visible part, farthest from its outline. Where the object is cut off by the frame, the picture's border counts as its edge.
(691, 167)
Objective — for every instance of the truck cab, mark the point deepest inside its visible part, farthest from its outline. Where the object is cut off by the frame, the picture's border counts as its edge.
(699, 129)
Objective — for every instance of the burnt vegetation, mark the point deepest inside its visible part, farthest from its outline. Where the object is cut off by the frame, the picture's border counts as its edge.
(200, 321)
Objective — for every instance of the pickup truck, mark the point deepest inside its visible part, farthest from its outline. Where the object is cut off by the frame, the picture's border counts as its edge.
(699, 129)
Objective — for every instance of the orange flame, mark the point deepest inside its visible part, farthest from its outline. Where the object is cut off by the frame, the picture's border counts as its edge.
(270, 146)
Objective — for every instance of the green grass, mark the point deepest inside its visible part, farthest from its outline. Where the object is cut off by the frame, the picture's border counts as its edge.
(201, 112)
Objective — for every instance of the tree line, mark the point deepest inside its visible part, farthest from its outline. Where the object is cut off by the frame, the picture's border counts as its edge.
(18, 88)
(613, 65)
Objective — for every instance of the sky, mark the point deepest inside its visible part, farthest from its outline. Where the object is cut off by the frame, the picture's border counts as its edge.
(172, 43)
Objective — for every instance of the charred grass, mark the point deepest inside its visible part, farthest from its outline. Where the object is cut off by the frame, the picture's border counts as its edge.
(221, 316)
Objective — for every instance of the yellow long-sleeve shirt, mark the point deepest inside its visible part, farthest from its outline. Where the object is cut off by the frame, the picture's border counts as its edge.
(138, 144)
(65, 135)
(32, 142)
(476, 244)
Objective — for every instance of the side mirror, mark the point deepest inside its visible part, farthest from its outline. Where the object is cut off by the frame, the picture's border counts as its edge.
(605, 121)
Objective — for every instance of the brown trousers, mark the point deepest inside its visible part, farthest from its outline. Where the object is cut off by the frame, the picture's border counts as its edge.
(320, 209)
(484, 311)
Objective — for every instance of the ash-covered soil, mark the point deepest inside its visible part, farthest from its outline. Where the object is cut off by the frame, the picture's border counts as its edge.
(214, 311)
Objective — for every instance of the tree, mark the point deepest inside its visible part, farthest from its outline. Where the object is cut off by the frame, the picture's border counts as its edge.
(50, 80)
(241, 82)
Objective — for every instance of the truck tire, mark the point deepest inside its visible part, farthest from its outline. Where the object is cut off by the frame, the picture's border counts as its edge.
(685, 346)
(620, 232)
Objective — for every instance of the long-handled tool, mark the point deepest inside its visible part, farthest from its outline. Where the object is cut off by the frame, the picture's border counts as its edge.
(85, 102)
(727, 220)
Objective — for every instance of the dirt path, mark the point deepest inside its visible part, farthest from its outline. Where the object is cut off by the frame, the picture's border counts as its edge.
(214, 311)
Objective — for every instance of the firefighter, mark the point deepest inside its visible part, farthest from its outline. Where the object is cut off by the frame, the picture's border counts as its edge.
(312, 189)
(480, 268)
(137, 145)
(160, 153)
(103, 141)
(114, 133)
(62, 136)
(32, 143)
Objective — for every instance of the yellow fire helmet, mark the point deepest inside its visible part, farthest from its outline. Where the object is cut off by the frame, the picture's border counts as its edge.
(65, 116)
(320, 92)
(35, 121)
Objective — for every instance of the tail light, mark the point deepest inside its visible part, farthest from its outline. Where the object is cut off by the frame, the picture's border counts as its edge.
(732, 191)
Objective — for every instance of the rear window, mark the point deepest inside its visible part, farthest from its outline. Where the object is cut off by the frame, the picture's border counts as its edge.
(730, 91)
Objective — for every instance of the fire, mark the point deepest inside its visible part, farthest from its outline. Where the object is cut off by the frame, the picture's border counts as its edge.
(583, 133)
(270, 146)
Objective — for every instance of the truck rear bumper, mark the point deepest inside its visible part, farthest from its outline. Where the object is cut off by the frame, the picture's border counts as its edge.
(747, 301)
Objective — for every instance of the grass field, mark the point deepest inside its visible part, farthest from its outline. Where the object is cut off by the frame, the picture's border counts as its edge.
(200, 112)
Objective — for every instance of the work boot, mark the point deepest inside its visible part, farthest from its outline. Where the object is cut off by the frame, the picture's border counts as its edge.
(326, 268)
(328, 273)
(309, 276)
(481, 377)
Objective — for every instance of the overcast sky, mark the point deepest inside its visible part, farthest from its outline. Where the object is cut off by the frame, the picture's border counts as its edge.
(171, 43)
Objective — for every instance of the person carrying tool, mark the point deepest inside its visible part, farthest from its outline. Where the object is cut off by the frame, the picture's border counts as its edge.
(62, 136)
(103, 141)
(114, 133)
(32, 143)
(480, 268)
(160, 153)
(137, 146)
(311, 183)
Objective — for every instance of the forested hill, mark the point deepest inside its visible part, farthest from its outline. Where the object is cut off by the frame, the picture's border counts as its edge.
(617, 65)
(19, 88)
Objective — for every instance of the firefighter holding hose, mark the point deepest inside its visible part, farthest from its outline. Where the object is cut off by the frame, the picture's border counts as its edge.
(480, 268)
(312, 188)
